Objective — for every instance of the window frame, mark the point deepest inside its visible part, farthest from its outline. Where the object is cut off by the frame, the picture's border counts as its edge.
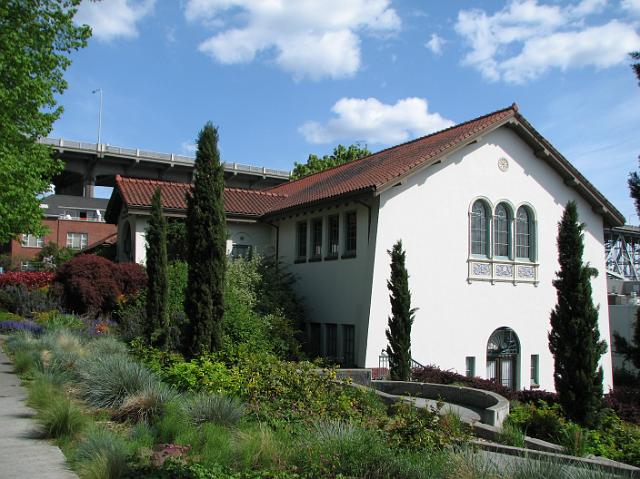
(333, 240)
(301, 256)
(531, 232)
(350, 228)
(535, 370)
(331, 341)
(470, 366)
(26, 240)
(317, 239)
(497, 231)
(82, 236)
(487, 229)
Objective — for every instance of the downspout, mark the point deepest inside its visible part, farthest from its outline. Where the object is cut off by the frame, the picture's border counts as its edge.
(369, 220)
(277, 228)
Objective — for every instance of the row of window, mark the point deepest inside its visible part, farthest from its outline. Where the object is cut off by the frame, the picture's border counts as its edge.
(326, 344)
(312, 246)
(74, 241)
(492, 233)
(470, 365)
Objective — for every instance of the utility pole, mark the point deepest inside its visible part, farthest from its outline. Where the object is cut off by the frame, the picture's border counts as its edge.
(99, 116)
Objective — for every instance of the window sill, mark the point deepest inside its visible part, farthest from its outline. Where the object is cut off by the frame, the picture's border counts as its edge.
(348, 255)
(331, 258)
(300, 260)
(315, 259)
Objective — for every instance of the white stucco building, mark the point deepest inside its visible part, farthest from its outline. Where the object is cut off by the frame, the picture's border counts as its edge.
(477, 208)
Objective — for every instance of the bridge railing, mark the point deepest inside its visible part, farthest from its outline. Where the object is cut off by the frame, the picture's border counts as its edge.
(154, 155)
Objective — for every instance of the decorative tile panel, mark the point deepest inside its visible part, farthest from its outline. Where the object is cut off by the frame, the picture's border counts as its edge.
(526, 272)
(504, 270)
(481, 269)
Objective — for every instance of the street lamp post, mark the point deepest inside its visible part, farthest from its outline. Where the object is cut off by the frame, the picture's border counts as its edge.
(99, 116)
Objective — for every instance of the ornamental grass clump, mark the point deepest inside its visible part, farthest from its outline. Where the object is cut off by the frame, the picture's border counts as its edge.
(102, 455)
(106, 381)
(147, 404)
(217, 408)
(61, 418)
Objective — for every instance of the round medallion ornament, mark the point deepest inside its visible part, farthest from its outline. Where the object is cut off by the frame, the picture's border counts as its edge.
(503, 164)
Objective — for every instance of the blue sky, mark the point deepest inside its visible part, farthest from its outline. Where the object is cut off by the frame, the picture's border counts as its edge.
(285, 78)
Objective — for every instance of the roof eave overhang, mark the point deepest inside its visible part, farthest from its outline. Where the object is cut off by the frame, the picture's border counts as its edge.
(360, 194)
(544, 150)
(145, 210)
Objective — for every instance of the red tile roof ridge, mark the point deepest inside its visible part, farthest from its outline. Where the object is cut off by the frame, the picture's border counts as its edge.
(513, 107)
(150, 181)
(256, 192)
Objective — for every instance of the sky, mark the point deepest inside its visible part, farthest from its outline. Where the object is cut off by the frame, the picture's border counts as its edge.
(285, 78)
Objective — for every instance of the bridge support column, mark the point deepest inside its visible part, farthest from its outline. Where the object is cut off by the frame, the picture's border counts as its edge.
(89, 186)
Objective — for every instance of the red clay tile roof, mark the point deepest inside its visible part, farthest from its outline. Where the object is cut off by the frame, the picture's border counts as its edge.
(376, 170)
(138, 192)
(370, 173)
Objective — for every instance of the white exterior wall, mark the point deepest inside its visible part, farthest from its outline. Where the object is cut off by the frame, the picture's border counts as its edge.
(260, 236)
(334, 291)
(430, 213)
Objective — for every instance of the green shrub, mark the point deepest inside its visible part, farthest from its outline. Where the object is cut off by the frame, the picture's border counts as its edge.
(419, 429)
(216, 408)
(8, 316)
(360, 453)
(102, 455)
(20, 341)
(54, 320)
(108, 345)
(512, 435)
(258, 447)
(540, 421)
(105, 381)
(174, 426)
(574, 439)
(61, 418)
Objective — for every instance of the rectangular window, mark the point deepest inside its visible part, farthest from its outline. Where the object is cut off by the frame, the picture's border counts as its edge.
(316, 238)
(350, 236)
(83, 215)
(302, 240)
(77, 240)
(470, 362)
(315, 339)
(331, 346)
(349, 345)
(535, 370)
(241, 251)
(32, 241)
(334, 235)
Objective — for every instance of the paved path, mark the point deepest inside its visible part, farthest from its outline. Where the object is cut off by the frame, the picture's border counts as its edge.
(22, 454)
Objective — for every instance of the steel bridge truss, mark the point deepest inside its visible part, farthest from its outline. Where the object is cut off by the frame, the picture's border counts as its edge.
(622, 248)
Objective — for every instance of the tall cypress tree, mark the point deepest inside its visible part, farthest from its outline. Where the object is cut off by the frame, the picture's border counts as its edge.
(206, 238)
(401, 319)
(158, 286)
(574, 339)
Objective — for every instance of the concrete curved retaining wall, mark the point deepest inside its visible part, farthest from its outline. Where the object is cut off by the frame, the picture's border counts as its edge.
(494, 408)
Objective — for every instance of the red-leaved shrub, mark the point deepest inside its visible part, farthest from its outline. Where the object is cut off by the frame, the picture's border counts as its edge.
(131, 277)
(92, 284)
(625, 401)
(30, 279)
(435, 375)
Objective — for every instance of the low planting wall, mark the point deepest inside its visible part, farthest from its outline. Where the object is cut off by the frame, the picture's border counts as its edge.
(493, 407)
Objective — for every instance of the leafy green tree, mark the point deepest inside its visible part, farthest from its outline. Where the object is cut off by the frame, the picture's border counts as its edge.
(37, 37)
(206, 238)
(401, 319)
(341, 155)
(574, 339)
(636, 65)
(157, 323)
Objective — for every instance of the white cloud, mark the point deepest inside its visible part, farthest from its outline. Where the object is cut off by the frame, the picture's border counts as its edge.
(435, 44)
(111, 19)
(631, 6)
(304, 37)
(372, 121)
(188, 147)
(525, 39)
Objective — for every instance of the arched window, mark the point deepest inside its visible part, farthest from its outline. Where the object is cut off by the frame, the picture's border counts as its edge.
(501, 231)
(479, 229)
(524, 234)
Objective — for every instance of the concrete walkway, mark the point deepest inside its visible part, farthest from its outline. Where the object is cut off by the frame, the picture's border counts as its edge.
(22, 453)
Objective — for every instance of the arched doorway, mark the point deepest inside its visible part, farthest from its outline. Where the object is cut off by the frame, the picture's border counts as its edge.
(503, 357)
